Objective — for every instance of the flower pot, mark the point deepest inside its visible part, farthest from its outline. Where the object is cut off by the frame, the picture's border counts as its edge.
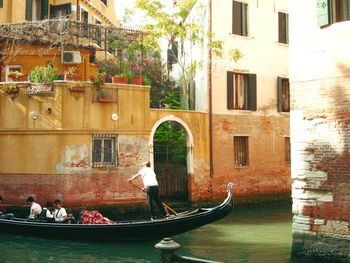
(120, 80)
(18, 79)
(77, 89)
(70, 77)
(137, 80)
(105, 99)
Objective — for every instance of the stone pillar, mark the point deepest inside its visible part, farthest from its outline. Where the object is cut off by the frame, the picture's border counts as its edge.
(167, 249)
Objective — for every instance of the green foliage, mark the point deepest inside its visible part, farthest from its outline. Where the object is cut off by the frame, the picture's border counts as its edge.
(43, 74)
(172, 133)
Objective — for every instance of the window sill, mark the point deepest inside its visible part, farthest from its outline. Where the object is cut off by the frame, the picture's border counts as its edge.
(240, 167)
(282, 44)
(239, 36)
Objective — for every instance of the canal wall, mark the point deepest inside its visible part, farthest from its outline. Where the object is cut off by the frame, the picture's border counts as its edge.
(320, 135)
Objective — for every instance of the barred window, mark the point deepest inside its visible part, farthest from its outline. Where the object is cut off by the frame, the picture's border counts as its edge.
(287, 149)
(104, 150)
(240, 145)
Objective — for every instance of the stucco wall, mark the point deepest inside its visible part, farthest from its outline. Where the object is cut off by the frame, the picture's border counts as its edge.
(50, 156)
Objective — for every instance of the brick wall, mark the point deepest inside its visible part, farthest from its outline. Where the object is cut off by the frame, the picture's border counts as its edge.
(320, 132)
(267, 174)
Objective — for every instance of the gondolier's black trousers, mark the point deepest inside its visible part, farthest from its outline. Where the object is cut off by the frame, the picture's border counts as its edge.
(153, 195)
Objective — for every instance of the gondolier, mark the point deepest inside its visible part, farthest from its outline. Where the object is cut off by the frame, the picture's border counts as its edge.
(151, 186)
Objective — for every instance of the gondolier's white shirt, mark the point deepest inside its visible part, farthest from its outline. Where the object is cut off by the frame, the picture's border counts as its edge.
(148, 177)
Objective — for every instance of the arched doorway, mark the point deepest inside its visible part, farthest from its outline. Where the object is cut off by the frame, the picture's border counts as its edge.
(171, 144)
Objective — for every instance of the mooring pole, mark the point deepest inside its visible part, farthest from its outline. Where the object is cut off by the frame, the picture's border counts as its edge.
(167, 249)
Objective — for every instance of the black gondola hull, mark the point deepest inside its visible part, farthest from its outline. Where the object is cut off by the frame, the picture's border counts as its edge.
(133, 231)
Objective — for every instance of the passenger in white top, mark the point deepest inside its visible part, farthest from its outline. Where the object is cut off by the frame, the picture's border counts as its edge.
(60, 213)
(35, 209)
(151, 186)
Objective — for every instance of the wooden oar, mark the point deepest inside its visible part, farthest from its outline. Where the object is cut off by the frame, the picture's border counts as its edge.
(166, 206)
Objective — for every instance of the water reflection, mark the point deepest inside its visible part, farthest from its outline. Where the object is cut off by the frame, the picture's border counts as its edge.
(259, 234)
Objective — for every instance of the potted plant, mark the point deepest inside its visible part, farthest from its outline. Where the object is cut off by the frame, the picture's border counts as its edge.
(103, 96)
(16, 76)
(77, 87)
(72, 73)
(122, 78)
(11, 90)
(98, 80)
(42, 78)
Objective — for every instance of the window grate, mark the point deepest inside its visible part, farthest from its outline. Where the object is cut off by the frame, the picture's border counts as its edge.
(104, 150)
(240, 145)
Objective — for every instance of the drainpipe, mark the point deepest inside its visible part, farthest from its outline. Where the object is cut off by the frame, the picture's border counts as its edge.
(210, 110)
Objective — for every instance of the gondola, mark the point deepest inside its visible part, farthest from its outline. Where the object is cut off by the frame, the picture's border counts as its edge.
(125, 231)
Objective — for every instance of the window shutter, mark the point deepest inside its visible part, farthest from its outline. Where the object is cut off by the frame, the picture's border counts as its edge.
(29, 10)
(1, 3)
(44, 9)
(323, 12)
(229, 90)
(236, 18)
(252, 92)
(52, 11)
(68, 8)
(279, 94)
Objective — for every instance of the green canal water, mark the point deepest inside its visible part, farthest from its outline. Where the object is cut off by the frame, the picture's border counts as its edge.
(248, 234)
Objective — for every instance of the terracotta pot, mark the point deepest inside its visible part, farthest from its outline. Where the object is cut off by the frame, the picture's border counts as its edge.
(18, 79)
(120, 80)
(137, 80)
(69, 77)
(77, 89)
(105, 99)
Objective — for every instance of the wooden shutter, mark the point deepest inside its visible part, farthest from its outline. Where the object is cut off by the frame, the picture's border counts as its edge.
(44, 9)
(279, 94)
(236, 18)
(229, 90)
(68, 8)
(323, 12)
(282, 28)
(252, 92)
(1, 3)
(52, 11)
(29, 10)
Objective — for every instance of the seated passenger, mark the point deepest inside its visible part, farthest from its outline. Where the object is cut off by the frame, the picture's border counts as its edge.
(70, 217)
(60, 213)
(47, 212)
(35, 209)
(3, 213)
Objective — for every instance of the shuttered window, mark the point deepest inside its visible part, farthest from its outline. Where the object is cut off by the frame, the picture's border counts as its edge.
(1, 3)
(104, 149)
(44, 9)
(283, 95)
(283, 28)
(240, 145)
(29, 10)
(332, 11)
(241, 91)
(239, 18)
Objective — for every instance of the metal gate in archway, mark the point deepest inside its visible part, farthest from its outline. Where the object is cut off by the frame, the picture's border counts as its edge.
(170, 165)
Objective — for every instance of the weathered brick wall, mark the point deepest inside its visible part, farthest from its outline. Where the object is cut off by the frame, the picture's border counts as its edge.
(320, 133)
(268, 174)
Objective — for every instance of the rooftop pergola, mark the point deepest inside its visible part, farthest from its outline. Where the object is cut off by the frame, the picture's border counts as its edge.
(61, 34)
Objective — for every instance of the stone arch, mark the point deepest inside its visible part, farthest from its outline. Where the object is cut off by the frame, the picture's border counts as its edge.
(189, 141)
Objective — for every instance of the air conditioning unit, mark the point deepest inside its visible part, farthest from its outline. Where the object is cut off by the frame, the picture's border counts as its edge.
(71, 57)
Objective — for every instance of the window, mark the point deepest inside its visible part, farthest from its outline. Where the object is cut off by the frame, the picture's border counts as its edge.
(240, 145)
(37, 9)
(241, 91)
(283, 28)
(1, 3)
(283, 95)
(57, 11)
(287, 149)
(104, 149)
(332, 11)
(105, 2)
(239, 18)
